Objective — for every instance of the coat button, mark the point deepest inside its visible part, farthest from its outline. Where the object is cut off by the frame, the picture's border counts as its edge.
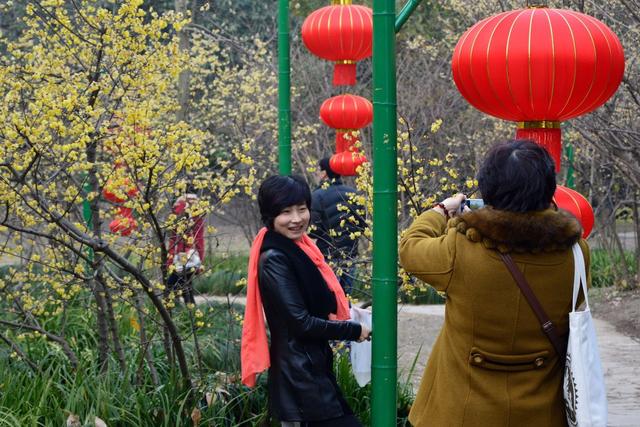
(539, 362)
(477, 358)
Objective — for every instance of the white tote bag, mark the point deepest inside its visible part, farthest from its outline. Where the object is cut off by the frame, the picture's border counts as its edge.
(361, 351)
(584, 390)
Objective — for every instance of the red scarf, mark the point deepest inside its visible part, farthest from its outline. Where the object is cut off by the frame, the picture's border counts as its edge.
(254, 353)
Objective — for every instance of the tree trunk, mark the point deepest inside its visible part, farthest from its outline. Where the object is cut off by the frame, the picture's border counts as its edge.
(144, 341)
(112, 324)
(101, 323)
(636, 229)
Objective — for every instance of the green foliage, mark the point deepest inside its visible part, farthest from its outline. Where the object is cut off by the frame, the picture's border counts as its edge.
(423, 294)
(224, 275)
(605, 267)
(129, 397)
(359, 398)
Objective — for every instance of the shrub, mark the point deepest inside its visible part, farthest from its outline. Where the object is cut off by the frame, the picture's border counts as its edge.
(606, 267)
(223, 275)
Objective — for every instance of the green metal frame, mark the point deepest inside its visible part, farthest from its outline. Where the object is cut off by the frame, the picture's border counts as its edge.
(405, 13)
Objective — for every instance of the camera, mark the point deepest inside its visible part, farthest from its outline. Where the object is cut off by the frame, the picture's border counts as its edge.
(474, 204)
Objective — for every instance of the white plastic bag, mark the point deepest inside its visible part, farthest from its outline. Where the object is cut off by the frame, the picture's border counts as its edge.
(584, 389)
(361, 351)
(190, 259)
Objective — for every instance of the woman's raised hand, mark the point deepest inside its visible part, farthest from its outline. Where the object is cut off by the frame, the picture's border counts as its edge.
(452, 206)
(365, 334)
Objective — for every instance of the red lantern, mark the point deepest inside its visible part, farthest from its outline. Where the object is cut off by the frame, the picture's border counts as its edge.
(538, 66)
(124, 223)
(112, 197)
(346, 113)
(346, 163)
(342, 33)
(574, 202)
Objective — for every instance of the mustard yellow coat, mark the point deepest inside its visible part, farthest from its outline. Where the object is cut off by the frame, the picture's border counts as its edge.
(491, 364)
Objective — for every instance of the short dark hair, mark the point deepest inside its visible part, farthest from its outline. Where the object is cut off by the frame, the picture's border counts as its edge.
(279, 192)
(325, 165)
(517, 176)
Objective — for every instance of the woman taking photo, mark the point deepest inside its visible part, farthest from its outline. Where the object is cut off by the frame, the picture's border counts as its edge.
(305, 307)
(492, 365)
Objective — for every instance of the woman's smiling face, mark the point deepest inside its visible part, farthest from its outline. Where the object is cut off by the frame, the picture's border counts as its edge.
(292, 222)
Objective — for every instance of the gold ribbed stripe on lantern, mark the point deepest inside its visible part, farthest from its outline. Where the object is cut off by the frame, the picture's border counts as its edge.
(540, 124)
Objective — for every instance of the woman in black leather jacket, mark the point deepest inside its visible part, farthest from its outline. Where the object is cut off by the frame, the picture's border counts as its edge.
(300, 295)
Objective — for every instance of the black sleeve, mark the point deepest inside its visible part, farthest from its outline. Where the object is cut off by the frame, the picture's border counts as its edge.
(278, 286)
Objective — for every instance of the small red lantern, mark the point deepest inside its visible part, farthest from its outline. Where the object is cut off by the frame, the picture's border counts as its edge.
(538, 66)
(112, 197)
(346, 163)
(124, 223)
(342, 33)
(346, 114)
(575, 203)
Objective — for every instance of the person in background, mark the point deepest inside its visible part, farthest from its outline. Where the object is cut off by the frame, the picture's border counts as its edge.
(186, 248)
(492, 365)
(305, 307)
(336, 216)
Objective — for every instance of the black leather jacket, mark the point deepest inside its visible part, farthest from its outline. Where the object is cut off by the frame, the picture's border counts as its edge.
(302, 386)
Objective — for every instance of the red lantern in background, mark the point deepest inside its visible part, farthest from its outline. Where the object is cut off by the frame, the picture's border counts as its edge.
(538, 66)
(110, 196)
(124, 223)
(342, 33)
(575, 203)
(346, 114)
(346, 163)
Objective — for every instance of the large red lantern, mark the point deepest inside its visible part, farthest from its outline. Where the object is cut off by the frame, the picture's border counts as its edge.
(342, 33)
(346, 114)
(574, 202)
(538, 66)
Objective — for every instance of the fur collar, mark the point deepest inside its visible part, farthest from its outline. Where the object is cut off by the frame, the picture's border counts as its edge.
(541, 231)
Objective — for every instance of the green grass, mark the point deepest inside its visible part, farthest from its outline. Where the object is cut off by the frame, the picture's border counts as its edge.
(606, 268)
(124, 398)
(221, 275)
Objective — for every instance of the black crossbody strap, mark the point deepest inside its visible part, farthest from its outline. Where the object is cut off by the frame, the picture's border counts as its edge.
(547, 325)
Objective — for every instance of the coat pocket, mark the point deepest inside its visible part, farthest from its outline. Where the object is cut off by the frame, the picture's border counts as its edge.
(508, 362)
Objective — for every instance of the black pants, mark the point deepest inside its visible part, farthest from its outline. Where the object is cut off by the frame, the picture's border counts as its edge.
(182, 281)
(343, 421)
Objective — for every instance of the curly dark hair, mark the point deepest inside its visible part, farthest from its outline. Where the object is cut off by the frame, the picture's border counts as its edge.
(517, 176)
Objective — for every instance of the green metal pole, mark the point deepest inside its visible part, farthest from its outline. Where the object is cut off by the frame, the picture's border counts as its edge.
(385, 221)
(284, 90)
(405, 13)
(88, 219)
(570, 152)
